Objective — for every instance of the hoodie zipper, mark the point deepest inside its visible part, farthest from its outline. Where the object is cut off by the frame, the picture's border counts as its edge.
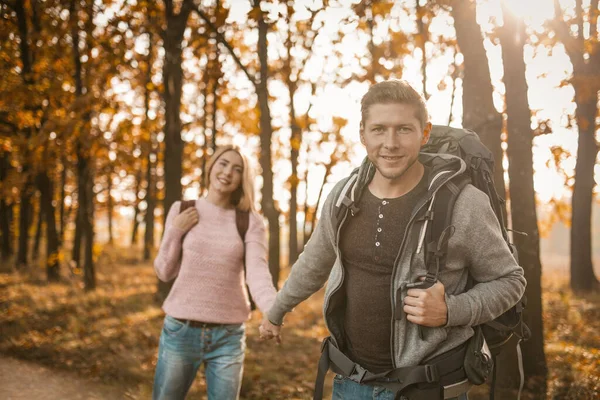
(335, 289)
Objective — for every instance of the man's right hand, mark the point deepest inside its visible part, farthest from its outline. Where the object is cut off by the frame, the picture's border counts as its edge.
(187, 219)
(268, 331)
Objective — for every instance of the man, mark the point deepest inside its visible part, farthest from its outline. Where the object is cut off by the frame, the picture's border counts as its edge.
(377, 251)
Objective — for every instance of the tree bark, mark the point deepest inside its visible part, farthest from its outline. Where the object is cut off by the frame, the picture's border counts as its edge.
(35, 252)
(582, 267)
(84, 173)
(109, 208)
(423, 31)
(266, 133)
(150, 206)
(87, 219)
(47, 210)
(77, 238)
(24, 222)
(25, 200)
(6, 249)
(523, 210)
(173, 79)
(150, 164)
(136, 209)
(295, 143)
(479, 113)
(63, 182)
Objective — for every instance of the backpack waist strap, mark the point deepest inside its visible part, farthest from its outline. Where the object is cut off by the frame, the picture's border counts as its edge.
(443, 371)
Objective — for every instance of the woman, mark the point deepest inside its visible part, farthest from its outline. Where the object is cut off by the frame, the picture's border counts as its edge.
(208, 304)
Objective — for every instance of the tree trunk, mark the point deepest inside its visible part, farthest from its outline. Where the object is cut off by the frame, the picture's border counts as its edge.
(479, 113)
(313, 219)
(582, 267)
(63, 182)
(24, 222)
(84, 173)
(150, 206)
(136, 209)
(306, 209)
(206, 82)
(47, 210)
(25, 212)
(6, 249)
(109, 208)
(35, 252)
(173, 79)
(266, 133)
(423, 31)
(523, 211)
(77, 238)
(295, 143)
(86, 185)
(150, 166)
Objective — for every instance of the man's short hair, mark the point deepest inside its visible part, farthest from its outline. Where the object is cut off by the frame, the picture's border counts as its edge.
(394, 91)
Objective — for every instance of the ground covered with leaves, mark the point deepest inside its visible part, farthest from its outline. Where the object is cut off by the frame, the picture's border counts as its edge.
(111, 335)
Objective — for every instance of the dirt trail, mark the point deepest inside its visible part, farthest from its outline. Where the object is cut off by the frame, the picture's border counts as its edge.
(23, 380)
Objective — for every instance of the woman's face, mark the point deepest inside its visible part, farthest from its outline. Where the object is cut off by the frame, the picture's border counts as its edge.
(226, 173)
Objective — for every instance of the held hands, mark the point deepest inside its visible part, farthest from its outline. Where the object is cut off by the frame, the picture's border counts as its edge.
(427, 307)
(269, 331)
(187, 219)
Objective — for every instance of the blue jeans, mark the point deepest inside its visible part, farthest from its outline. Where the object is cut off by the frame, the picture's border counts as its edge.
(345, 389)
(181, 351)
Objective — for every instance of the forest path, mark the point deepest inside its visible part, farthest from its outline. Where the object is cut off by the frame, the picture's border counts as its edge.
(24, 380)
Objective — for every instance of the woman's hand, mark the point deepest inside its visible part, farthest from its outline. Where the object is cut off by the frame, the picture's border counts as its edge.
(187, 219)
(269, 331)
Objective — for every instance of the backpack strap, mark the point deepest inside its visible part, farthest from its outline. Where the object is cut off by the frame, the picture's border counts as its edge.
(441, 229)
(242, 222)
(185, 204)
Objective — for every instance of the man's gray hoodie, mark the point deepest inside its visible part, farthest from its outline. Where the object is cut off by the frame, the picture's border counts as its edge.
(476, 248)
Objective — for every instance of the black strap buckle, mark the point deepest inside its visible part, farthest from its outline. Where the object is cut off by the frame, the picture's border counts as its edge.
(431, 373)
(358, 374)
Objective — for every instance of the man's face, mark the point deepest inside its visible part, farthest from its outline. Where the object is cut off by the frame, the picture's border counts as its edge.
(393, 136)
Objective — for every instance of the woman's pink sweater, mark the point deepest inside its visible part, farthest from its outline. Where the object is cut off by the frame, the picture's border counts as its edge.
(209, 282)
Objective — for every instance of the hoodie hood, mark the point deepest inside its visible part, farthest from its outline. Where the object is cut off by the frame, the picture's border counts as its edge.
(443, 168)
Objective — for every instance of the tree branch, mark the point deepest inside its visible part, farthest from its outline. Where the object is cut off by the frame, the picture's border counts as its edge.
(314, 39)
(572, 46)
(595, 51)
(225, 43)
(579, 18)
(594, 20)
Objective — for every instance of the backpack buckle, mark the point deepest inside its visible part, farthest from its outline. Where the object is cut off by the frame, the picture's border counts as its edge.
(431, 373)
(475, 162)
(358, 374)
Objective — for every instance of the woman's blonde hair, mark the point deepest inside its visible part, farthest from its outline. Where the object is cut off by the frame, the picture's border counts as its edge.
(243, 196)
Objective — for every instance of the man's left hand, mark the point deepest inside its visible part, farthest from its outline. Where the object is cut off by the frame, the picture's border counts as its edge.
(427, 307)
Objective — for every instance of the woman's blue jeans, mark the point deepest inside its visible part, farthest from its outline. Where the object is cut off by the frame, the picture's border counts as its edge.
(182, 349)
(344, 389)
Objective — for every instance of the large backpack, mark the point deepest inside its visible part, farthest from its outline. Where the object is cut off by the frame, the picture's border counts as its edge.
(479, 173)
(479, 161)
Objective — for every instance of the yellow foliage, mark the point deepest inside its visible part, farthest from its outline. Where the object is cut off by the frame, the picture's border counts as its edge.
(382, 8)
(339, 122)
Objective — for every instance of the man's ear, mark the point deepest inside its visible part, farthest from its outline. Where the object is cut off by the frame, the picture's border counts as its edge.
(426, 132)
